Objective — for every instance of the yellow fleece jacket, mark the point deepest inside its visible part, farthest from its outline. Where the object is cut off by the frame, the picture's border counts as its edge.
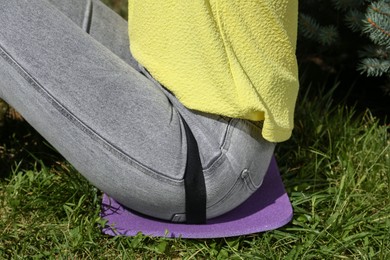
(229, 57)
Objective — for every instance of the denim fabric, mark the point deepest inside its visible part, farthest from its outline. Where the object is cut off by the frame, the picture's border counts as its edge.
(66, 67)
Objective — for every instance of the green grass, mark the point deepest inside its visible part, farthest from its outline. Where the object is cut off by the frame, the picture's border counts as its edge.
(119, 6)
(336, 169)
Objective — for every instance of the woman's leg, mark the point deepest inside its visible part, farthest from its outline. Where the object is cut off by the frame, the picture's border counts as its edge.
(113, 124)
(103, 24)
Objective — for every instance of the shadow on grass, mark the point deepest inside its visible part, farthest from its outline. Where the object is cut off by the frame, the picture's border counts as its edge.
(20, 145)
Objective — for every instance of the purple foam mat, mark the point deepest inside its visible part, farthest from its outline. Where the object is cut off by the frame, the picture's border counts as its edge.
(268, 208)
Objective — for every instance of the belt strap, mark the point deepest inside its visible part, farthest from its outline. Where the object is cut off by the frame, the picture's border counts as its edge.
(194, 184)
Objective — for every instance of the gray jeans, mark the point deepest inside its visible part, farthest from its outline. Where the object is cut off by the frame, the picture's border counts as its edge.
(65, 66)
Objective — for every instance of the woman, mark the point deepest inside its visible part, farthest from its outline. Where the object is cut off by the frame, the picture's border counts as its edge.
(185, 128)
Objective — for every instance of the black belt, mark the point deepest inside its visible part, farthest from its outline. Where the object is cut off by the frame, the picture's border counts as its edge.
(194, 184)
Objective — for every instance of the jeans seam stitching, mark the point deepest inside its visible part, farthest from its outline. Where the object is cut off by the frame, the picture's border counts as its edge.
(223, 149)
(250, 184)
(227, 195)
(80, 124)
